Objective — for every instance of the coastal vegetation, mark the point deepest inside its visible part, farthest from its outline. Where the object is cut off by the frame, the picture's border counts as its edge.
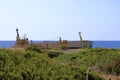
(38, 63)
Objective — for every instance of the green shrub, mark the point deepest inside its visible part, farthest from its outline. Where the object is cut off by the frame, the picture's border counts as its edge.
(63, 47)
(34, 48)
(117, 65)
(94, 76)
(30, 65)
(53, 54)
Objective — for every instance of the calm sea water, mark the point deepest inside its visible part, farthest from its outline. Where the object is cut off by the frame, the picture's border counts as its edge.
(106, 44)
(96, 44)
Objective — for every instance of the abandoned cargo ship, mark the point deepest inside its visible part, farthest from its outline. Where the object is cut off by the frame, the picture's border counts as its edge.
(53, 44)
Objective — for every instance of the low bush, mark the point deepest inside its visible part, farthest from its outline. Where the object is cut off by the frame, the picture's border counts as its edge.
(63, 47)
(98, 59)
(53, 54)
(30, 65)
(34, 48)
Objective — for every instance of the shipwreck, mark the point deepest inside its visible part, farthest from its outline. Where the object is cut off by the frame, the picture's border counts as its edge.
(23, 42)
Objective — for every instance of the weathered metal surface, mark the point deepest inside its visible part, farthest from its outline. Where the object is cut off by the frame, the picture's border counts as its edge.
(70, 44)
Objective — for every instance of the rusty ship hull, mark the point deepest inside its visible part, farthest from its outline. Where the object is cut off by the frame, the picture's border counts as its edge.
(70, 45)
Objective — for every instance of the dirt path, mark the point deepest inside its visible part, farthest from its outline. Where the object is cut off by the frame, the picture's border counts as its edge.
(110, 77)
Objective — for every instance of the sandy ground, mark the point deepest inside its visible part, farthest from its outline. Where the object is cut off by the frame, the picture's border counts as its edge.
(110, 77)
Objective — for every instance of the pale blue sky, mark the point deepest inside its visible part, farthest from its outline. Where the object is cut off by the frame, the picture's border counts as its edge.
(49, 19)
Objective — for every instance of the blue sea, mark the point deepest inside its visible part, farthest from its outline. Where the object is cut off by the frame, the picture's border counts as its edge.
(106, 44)
(96, 44)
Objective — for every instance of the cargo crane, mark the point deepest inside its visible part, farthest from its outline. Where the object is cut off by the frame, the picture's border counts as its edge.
(85, 43)
(81, 39)
(21, 42)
